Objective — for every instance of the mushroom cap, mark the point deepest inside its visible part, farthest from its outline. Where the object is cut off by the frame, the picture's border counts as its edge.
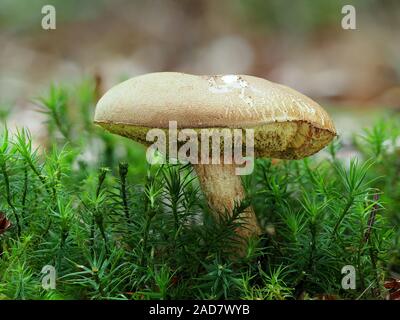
(287, 124)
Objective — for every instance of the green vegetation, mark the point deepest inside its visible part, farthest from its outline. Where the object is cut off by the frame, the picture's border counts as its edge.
(116, 228)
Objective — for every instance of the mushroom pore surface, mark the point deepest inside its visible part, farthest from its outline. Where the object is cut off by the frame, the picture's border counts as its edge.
(281, 140)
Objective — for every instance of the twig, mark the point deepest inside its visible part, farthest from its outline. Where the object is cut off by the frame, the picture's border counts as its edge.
(371, 219)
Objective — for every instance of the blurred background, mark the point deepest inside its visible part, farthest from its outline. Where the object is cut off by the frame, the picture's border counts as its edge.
(355, 74)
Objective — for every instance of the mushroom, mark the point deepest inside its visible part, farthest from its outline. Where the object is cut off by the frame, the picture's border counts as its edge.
(286, 124)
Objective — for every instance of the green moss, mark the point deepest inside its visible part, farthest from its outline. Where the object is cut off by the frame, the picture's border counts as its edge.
(145, 232)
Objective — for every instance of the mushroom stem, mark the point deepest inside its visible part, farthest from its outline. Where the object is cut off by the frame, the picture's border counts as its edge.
(222, 188)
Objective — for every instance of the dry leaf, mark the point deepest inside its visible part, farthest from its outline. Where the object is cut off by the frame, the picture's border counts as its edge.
(394, 288)
(5, 224)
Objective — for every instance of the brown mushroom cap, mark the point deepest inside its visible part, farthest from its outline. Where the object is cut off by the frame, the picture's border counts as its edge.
(287, 124)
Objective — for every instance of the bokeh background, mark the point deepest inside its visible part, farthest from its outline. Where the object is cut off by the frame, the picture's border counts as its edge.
(355, 74)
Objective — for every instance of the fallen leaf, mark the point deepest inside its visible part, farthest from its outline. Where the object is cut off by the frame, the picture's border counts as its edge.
(394, 288)
(5, 224)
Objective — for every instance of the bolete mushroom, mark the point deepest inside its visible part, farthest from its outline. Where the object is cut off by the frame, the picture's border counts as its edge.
(286, 124)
